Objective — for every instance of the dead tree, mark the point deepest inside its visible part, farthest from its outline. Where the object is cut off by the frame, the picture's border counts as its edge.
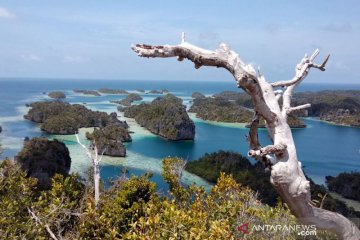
(287, 176)
(92, 153)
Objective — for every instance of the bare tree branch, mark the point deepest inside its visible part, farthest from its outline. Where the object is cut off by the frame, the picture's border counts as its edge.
(298, 108)
(38, 221)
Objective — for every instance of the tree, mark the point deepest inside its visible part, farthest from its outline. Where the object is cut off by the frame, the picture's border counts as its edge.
(92, 153)
(280, 158)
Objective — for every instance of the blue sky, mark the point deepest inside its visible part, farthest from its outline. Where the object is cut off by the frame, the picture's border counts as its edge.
(92, 39)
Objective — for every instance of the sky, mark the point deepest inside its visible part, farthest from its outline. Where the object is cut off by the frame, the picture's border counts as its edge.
(88, 39)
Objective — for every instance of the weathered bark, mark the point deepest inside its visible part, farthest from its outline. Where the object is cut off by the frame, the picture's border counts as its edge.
(286, 174)
(92, 153)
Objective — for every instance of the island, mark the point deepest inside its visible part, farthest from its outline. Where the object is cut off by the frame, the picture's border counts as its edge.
(211, 165)
(155, 92)
(57, 95)
(338, 106)
(222, 109)
(112, 91)
(345, 184)
(109, 140)
(165, 116)
(42, 159)
(132, 97)
(87, 92)
(197, 95)
(63, 118)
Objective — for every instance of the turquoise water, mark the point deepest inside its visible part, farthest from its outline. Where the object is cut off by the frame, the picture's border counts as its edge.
(324, 149)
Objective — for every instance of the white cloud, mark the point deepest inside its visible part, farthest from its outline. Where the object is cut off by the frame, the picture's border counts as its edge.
(75, 59)
(30, 57)
(4, 13)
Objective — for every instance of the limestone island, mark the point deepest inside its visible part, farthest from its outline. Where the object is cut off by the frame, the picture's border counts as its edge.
(197, 95)
(42, 159)
(87, 92)
(231, 110)
(112, 91)
(109, 140)
(132, 97)
(63, 118)
(340, 106)
(57, 95)
(165, 116)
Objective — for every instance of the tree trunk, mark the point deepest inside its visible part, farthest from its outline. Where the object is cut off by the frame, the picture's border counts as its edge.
(286, 174)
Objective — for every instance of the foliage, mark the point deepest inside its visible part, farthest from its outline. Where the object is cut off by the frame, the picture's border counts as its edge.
(346, 184)
(26, 211)
(131, 209)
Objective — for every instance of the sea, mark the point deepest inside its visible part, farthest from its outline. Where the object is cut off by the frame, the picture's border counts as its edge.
(323, 148)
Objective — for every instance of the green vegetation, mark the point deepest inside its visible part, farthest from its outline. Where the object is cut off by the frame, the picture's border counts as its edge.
(132, 97)
(131, 209)
(210, 167)
(64, 118)
(340, 106)
(112, 91)
(57, 95)
(87, 92)
(109, 140)
(346, 184)
(164, 116)
(41, 158)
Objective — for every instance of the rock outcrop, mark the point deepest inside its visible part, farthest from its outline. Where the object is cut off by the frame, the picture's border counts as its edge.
(109, 140)
(57, 95)
(64, 118)
(42, 159)
(164, 116)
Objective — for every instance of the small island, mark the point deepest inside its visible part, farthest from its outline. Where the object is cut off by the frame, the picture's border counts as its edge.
(112, 91)
(197, 95)
(64, 118)
(57, 95)
(165, 116)
(340, 106)
(155, 92)
(87, 92)
(232, 107)
(109, 140)
(132, 97)
(42, 159)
